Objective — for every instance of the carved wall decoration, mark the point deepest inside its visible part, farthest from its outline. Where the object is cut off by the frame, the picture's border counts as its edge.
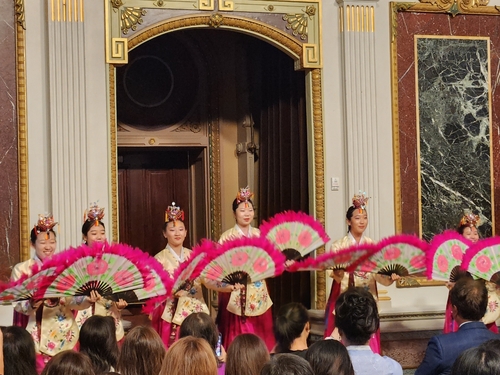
(298, 22)
(131, 17)
(19, 7)
(216, 20)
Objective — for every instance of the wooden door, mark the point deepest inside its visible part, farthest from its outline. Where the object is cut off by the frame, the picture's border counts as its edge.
(149, 180)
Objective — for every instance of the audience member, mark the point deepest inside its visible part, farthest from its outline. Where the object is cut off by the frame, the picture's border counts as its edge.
(98, 342)
(291, 329)
(492, 344)
(469, 299)
(477, 361)
(190, 356)
(69, 362)
(246, 355)
(201, 325)
(329, 357)
(356, 317)
(19, 357)
(142, 352)
(287, 364)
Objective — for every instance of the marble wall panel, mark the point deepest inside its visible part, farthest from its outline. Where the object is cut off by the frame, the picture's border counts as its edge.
(454, 131)
(410, 24)
(9, 177)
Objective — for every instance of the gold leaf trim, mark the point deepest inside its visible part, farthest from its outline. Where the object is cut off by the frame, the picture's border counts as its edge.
(114, 151)
(453, 7)
(297, 22)
(131, 17)
(216, 20)
(116, 3)
(19, 9)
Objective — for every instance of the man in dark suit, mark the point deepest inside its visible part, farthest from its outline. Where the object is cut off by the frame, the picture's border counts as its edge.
(469, 299)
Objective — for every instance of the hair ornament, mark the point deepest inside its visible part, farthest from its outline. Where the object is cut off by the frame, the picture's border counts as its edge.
(360, 201)
(44, 224)
(244, 195)
(470, 220)
(94, 213)
(174, 213)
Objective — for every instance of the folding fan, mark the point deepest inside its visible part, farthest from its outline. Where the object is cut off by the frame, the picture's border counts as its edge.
(184, 275)
(105, 268)
(296, 234)
(445, 255)
(483, 260)
(158, 282)
(244, 260)
(401, 254)
(28, 286)
(346, 259)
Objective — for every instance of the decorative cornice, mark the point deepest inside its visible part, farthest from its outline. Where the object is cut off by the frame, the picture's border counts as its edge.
(19, 8)
(298, 22)
(453, 7)
(130, 18)
(216, 20)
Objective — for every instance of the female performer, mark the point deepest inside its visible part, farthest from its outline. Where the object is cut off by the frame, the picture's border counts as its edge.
(94, 231)
(259, 320)
(357, 221)
(167, 318)
(50, 321)
(467, 227)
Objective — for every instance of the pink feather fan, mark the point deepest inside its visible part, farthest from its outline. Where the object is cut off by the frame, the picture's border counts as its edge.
(483, 259)
(445, 255)
(296, 234)
(107, 269)
(346, 259)
(400, 254)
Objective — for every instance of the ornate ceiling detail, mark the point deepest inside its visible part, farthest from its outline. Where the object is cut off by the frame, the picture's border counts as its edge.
(298, 22)
(130, 18)
(453, 7)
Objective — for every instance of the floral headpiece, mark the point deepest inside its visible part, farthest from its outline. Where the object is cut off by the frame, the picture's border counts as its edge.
(44, 224)
(244, 195)
(174, 213)
(360, 201)
(470, 220)
(94, 213)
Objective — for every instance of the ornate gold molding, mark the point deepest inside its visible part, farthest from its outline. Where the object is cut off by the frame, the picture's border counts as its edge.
(130, 18)
(206, 4)
(22, 142)
(19, 7)
(298, 22)
(319, 175)
(214, 165)
(226, 5)
(216, 20)
(113, 153)
(453, 7)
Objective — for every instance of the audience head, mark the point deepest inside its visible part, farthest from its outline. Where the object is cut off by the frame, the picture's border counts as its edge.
(18, 351)
(291, 322)
(480, 360)
(356, 316)
(189, 356)
(329, 357)
(469, 299)
(69, 362)
(200, 325)
(98, 342)
(246, 355)
(142, 352)
(287, 364)
(492, 344)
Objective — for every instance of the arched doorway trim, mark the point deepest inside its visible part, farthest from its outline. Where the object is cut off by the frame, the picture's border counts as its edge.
(315, 108)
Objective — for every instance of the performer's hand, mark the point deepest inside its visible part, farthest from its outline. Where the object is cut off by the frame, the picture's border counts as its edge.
(181, 293)
(289, 262)
(94, 296)
(395, 277)
(238, 286)
(223, 354)
(121, 304)
(338, 275)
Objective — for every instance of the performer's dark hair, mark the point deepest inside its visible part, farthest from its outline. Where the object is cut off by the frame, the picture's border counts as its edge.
(470, 297)
(34, 235)
(236, 204)
(289, 324)
(356, 315)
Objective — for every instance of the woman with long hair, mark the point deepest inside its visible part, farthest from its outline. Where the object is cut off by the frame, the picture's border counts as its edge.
(189, 356)
(246, 355)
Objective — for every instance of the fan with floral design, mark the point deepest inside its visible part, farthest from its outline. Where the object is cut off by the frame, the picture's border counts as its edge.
(445, 255)
(28, 286)
(105, 268)
(244, 260)
(296, 234)
(401, 254)
(345, 259)
(483, 259)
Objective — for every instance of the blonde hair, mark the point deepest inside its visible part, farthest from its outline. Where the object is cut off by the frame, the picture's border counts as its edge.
(189, 356)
